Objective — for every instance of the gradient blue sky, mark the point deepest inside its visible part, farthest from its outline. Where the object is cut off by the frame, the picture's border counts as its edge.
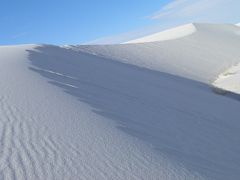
(79, 21)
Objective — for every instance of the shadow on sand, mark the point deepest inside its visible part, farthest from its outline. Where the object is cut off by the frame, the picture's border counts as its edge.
(180, 118)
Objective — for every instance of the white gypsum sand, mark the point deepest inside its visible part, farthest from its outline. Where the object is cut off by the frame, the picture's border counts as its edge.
(201, 56)
(169, 34)
(130, 111)
(229, 80)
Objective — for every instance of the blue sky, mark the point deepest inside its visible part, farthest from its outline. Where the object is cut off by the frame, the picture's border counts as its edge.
(70, 21)
(79, 21)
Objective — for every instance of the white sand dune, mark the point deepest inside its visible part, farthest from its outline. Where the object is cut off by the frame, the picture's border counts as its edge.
(201, 56)
(131, 111)
(229, 80)
(170, 34)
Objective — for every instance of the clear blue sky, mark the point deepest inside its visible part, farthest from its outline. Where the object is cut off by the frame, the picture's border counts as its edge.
(71, 21)
(79, 21)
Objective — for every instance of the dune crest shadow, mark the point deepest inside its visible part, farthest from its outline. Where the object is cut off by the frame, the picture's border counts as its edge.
(179, 117)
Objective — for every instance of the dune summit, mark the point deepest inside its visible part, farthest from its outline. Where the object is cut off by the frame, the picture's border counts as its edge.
(141, 110)
(200, 56)
(170, 34)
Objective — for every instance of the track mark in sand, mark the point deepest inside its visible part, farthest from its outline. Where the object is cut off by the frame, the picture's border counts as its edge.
(27, 152)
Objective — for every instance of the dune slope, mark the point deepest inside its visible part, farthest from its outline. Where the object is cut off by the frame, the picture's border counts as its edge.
(72, 122)
(171, 34)
(201, 56)
(132, 111)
